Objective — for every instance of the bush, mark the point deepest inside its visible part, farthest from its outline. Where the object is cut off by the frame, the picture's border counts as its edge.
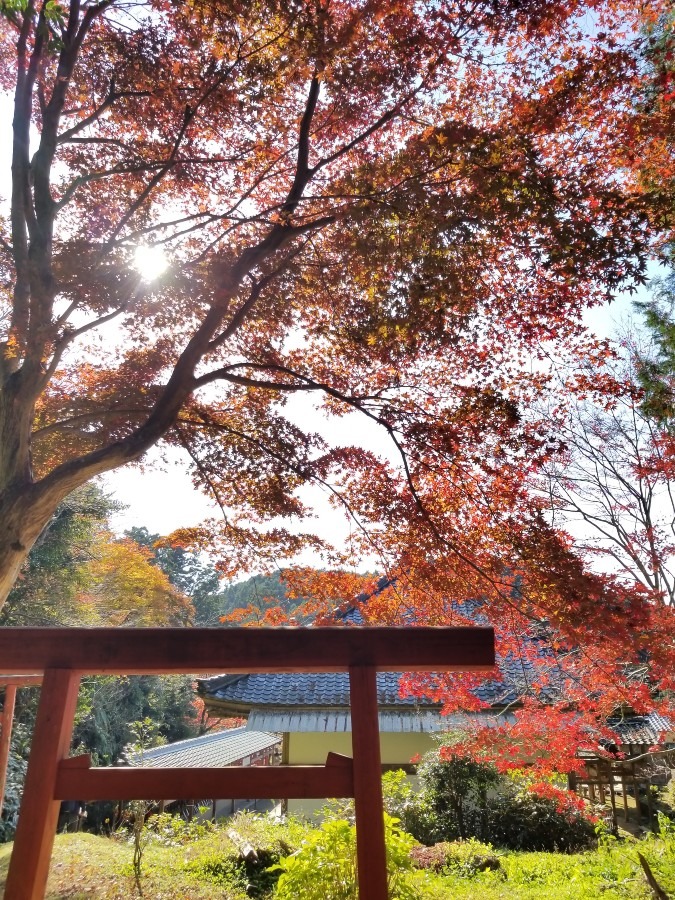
(253, 876)
(459, 857)
(465, 799)
(455, 793)
(220, 860)
(401, 801)
(215, 868)
(325, 866)
(412, 808)
(173, 831)
(546, 819)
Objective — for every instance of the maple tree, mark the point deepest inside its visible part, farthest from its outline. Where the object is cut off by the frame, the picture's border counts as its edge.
(380, 203)
(399, 208)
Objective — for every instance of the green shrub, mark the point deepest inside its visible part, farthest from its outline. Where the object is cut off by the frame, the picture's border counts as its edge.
(325, 866)
(455, 790)
(526, 820)
(173, 831)
(216, 868)
(459, 857)
(254, 877)
(461, 798)
(219, 860)
(411, 807)
(401, 801)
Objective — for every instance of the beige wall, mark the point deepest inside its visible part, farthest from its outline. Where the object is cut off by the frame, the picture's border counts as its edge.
(311, 748)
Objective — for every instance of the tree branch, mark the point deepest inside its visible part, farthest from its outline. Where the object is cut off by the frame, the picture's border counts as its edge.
(188, 115)
(68, 136)
(303, 173)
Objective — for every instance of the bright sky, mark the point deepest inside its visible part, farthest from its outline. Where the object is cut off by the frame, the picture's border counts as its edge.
(163, 498)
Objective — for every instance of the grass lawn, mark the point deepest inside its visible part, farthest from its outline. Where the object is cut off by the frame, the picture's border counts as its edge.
(87, 866)
(610, 873)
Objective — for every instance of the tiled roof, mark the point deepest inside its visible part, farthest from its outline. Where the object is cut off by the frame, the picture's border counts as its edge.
(517, 677)
(239, 694)
(210, 751)
(305, 689)
(650, 729)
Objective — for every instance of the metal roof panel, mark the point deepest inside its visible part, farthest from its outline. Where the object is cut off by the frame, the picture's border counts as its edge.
(331, 720)
(211, 751)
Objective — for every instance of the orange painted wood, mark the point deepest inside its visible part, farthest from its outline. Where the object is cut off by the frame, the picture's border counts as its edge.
(5, 737)
(29, 863)
(20, 680)
(189, 650)
(371, 859)
(231, 782)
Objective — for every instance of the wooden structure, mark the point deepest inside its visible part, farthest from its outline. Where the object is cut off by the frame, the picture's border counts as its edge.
(10, 683)
(605, 778)
(63, 655)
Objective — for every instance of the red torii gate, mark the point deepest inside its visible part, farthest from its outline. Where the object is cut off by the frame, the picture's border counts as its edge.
(10, 683)
(65, 654)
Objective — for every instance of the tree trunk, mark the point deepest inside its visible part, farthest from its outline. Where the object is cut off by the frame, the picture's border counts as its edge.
(21, 521)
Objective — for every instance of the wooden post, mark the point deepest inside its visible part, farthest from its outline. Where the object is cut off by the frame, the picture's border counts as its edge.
(29, 863)
(612, 798)
(5, 736)
(650, 808)
(371, 857)
(636, 792)
(624, 788)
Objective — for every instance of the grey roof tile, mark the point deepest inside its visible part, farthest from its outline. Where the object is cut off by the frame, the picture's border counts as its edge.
(649, 729)
(302, 689)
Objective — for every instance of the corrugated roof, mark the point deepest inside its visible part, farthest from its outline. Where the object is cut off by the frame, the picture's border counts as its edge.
(331, 721)
(210, 751)
(340, 720)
